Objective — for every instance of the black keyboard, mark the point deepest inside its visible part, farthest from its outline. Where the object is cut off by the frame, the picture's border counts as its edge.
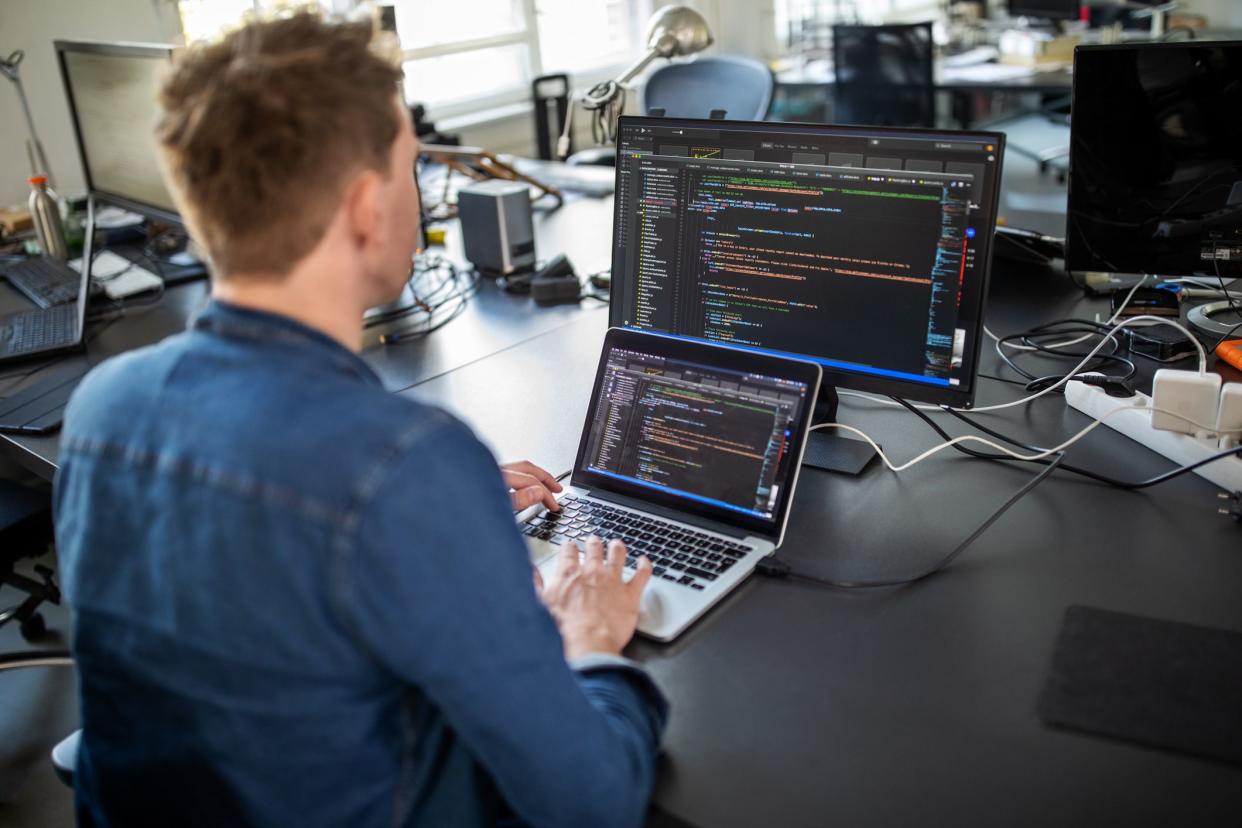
(38, 330)
(46, 282)
(680, 554)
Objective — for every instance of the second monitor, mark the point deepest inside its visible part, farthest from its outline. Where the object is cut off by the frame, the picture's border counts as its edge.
(865, 249)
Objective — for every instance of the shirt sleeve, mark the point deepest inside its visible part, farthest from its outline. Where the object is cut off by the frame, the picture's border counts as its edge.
(440, 590)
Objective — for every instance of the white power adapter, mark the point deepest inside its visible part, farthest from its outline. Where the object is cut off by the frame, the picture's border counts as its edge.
(1229, 417)
(1190, 398)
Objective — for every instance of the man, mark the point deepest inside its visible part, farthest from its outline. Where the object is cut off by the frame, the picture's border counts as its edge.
(300, 600)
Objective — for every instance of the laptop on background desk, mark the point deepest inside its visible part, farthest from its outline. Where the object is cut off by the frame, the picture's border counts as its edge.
(690, 455)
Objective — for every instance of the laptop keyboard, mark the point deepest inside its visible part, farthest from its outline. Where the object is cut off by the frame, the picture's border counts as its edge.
(45, 282)
(679, 554)
(38, 329)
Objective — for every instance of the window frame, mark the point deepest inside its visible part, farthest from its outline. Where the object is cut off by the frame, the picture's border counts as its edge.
(529, 37)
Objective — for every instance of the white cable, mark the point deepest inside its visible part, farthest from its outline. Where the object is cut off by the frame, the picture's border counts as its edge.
(1004, 449)
(1133, 320)
(1082, 338)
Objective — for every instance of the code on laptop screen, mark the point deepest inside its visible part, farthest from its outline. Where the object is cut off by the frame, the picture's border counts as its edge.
(699, 432)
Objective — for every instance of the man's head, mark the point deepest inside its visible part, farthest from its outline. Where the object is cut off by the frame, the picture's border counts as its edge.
(287, 136)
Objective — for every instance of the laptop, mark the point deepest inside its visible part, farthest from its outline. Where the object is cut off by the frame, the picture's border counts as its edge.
(690, 454)
(47, 331)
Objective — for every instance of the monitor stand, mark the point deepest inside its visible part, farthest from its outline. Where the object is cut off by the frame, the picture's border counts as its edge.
(828, 448)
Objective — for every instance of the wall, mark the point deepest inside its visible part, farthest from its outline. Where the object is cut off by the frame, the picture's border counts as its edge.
(32, 25)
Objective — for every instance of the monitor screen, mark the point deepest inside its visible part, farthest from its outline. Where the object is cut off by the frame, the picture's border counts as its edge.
(866, 249)
(689, 424)
(1047, 9)
(1155, 177)
(112, 93)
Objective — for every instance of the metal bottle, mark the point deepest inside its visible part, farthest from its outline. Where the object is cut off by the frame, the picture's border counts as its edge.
(46, 215)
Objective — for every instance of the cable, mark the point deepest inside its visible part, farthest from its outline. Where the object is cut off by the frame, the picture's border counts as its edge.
(1116, 315)
(775, 567)
(1081, 472)
(1134, 320)
(1040, 454)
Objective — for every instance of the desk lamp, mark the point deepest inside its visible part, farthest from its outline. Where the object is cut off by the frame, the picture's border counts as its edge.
(672, 32)
(9, 68)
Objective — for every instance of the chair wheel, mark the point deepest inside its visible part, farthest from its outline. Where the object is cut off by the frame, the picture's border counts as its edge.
(34, 627)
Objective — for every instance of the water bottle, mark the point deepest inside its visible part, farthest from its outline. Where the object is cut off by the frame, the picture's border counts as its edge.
(45, 212)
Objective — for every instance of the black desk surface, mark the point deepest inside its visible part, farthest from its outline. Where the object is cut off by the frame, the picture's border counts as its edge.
(796, 705)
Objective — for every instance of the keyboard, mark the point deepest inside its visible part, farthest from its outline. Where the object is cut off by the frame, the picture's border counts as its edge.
(46, 282)
(38, 330)
(680, 554)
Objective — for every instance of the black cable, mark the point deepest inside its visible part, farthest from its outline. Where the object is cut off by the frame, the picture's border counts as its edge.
(1058, 329)
(1001, 379)
(774, 566)
(1081, 472)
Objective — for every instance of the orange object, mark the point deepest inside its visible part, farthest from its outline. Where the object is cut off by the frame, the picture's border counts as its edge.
(1231, 351)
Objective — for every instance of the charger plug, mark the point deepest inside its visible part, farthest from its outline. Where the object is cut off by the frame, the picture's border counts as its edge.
(1229, 415)
(1188, 396)
(1233, 508)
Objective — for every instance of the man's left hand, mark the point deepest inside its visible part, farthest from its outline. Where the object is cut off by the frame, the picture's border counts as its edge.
(529, 485)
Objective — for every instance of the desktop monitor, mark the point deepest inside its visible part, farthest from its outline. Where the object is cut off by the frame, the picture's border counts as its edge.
(1045, 9)
(864, 249)
(112, 92)
(1155, 174)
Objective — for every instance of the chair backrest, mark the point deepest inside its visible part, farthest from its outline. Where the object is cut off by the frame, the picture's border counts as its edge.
(742, 87)
(884, 75)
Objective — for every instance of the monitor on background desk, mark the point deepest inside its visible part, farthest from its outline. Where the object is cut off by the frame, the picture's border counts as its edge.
(1045, 9)
(1155, 174)
(112, 91)
(865, 249)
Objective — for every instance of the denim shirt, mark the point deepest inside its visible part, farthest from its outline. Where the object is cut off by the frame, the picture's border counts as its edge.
(300, 600)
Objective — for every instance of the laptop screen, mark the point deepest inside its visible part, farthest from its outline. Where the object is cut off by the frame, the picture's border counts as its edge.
(713, 431)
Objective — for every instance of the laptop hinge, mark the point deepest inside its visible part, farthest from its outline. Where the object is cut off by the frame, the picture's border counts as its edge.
(673, 514)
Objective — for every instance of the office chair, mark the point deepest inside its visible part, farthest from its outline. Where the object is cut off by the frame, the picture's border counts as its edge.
(884, 75)
(65, 753)
(741, 87)
(25, 532)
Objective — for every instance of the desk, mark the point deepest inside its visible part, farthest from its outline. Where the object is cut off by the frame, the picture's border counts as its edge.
(808, 89)
(800, 706)
(795, 705)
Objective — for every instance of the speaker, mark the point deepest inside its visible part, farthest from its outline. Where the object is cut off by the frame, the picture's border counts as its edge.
(497, 229)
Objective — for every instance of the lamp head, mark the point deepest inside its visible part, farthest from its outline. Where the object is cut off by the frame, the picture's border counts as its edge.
(677, 30)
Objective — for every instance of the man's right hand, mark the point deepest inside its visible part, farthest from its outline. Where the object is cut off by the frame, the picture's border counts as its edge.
(595, 609)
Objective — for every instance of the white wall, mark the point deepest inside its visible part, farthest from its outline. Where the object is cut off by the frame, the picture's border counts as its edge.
(1221, 14)
(32, 25)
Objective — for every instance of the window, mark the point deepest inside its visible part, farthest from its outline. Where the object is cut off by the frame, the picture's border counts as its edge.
(474, 54)
(468, 55)
(201, 19)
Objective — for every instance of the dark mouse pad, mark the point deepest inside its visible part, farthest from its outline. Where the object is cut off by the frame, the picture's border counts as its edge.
(1158, 683)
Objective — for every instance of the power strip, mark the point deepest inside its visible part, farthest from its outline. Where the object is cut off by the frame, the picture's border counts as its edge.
(1182, 449)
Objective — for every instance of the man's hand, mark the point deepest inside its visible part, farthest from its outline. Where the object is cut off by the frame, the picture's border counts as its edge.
(594, 607)
(529, 485)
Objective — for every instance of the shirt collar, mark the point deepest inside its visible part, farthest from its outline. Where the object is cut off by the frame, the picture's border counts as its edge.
(237, 322)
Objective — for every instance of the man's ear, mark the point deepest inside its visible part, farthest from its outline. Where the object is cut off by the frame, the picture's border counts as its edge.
(363, 213)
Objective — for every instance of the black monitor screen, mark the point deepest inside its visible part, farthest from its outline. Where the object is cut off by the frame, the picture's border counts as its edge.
(698, 433)
(112, 91)
(1047, 9)
(1156, 159)
(865, 249)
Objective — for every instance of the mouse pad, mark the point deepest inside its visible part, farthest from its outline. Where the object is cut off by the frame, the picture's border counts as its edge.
(1158, 683)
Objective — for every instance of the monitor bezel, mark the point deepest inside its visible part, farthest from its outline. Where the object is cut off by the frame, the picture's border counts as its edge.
(961, 396)
(725, 358)
(1073, 255)
(116, 49)
(1070, 12)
